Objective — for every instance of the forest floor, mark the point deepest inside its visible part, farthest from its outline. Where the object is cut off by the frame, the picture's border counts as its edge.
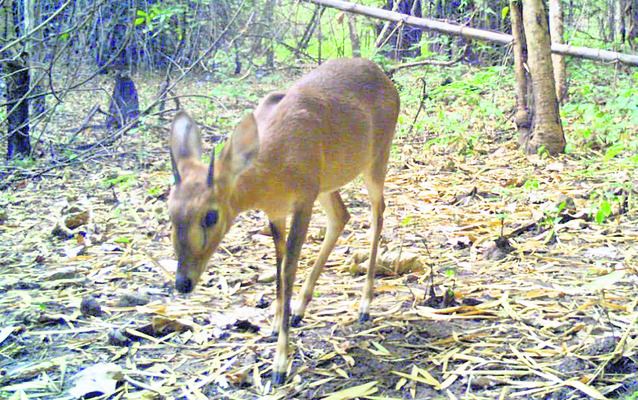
(505, 276)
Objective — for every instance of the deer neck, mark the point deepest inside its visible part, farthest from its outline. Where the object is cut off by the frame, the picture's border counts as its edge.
(256, 188)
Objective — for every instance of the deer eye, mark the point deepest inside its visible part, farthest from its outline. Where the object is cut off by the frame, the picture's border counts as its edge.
(211, 219)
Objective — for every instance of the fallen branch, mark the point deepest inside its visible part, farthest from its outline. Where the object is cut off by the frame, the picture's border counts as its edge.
(473, 33)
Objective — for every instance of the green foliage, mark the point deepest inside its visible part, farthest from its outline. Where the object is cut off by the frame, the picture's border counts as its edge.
(335, 38)
(531, 184)
(604, 211)
(633, 396)
(233, 90)
(601, 207)
(542, 151)
(119, 178)
(461, 104)
(450, 272)
(24, 163)
(155, 191)
(552, 215)
(158, 17)
(505, 11)
(603, 110)
(614, 150)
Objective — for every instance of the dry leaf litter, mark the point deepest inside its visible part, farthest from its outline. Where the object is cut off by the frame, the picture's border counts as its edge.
(489, 287)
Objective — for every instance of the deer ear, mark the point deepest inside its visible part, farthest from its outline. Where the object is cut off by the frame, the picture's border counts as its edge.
(243, 146)
(185, 139)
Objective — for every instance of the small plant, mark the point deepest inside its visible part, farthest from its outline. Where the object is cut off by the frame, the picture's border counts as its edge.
(614, 150)
(553, 216)
(531, 184)
(24, 162)
(154, 191)
(633, 396)
(542, 151)
(602, 209)
(450, 272)
(122, 179)
(502, 216)
(603, 212)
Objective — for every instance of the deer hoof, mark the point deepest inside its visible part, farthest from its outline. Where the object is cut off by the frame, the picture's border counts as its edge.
(295, 321)
(364, 317)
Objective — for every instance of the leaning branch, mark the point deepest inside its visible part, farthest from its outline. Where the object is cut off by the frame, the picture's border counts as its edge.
(473, 33)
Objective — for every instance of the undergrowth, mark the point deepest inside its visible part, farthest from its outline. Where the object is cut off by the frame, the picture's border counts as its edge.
(462, 106)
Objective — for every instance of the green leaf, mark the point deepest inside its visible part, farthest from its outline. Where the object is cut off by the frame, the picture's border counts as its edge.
(561, 206)
(531, 184)
(504, 12)
(613, 151)
(605, 206)
(600, 216)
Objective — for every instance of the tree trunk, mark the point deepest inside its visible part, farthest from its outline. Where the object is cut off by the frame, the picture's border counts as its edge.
(631, 24)
(17, 80)
(556, 29)
(124, 106)
(268, 18)
(618, 20)
(523, 115)
(319, 38)
(547, 132)
(404, 39)
(33, 47)
(355, 41)
(19, 144)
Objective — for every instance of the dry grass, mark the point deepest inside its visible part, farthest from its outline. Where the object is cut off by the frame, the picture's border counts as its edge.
(552, 317)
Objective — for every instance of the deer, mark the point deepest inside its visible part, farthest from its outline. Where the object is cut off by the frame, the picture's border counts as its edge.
(303, 144)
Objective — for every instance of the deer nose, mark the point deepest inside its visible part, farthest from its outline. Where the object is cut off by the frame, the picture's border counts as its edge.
(183, 284)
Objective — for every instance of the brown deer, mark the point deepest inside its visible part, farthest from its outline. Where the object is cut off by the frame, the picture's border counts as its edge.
(297, 146)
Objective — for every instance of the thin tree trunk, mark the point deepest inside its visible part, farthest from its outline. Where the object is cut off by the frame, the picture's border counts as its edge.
(617, 20)
(319, 38)
(556, 29)
(33, 47)
(19, 144)
(547, 132)
(268, 18)
(17, 80)
(631, 26)
(355, 41)
(523, 115)
(386, 26)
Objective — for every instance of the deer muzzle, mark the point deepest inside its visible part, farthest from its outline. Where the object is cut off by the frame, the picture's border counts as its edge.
(184, 284)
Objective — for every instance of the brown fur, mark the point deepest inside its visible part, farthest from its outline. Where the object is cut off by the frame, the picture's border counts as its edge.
(303, 144)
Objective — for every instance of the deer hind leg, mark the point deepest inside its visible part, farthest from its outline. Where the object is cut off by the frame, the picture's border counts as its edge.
(338, 217)
(374, 184)
(286, 273)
